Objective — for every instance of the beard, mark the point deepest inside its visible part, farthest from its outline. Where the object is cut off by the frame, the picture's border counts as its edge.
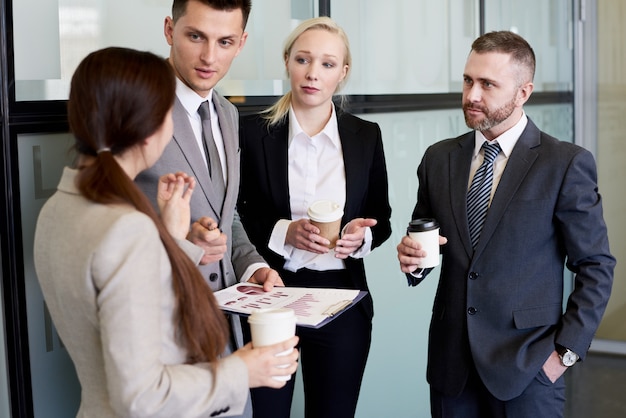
(491, 118)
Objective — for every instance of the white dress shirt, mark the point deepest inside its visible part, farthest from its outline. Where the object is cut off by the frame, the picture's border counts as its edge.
(507, 141)
(316, 171)
(191, 102)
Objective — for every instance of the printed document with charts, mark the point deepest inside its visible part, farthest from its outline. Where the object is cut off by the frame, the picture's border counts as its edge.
(314, 307)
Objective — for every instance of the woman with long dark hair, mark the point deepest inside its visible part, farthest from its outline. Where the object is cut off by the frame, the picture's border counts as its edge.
(138, 320)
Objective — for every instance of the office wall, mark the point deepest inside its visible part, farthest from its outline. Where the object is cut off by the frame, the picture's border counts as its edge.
(41, 160)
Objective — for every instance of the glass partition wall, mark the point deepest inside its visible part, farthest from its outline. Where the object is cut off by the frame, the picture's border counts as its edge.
(408, 58)
(611, 107)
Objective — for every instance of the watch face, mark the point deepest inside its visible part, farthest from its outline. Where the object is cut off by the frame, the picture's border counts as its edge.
(569, 358)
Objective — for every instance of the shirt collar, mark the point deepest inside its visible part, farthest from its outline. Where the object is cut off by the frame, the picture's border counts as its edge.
(330, 131)
(507, 140)
(190, 99)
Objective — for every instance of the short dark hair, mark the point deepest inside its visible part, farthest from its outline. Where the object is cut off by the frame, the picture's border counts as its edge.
(509, 43)
(179, 7)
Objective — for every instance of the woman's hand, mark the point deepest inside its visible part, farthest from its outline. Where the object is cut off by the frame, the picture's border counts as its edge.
(303, 235)
(173, 197)
(353, 236)
(263, 363)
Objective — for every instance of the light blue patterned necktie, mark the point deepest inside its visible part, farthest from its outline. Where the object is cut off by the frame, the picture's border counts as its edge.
(480, 192)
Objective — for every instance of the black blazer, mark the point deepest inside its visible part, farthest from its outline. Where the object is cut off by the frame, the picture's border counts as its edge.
(501, 306)
(264, 189)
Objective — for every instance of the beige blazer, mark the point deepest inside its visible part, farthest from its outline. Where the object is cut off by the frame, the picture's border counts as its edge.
(106, 279)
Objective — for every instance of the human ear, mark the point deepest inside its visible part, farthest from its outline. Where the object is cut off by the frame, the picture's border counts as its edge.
(524, 92)
(168, 30)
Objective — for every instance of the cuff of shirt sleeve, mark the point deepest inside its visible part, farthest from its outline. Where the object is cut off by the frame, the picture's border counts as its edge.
(366, 247)
(250, 271)
(231, 383)
(415, 277)
(278, 237)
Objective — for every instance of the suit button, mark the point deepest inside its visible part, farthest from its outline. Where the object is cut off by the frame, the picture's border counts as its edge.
(213, 277)
(473, 275)
(471, 310)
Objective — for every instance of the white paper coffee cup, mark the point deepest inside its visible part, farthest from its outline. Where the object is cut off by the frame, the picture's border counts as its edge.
(326, 215)
(271, 326)
(426, 232)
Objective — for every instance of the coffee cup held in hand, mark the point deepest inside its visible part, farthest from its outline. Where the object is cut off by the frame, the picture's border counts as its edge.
(271, 326)
(426, 232)
(326, 215)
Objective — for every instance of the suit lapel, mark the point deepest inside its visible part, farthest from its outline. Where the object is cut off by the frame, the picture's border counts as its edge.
(184, 138)
(230, 137)
(275, 149)
(353, 165)
(521, 160)
(460, 161)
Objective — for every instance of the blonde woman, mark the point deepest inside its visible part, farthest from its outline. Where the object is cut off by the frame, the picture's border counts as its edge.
(302, 149)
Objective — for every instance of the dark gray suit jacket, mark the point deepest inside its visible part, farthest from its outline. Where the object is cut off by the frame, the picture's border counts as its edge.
(183, 154)
(501, 306)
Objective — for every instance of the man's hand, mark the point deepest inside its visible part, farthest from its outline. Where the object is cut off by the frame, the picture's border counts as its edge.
(410, 253)
(267, 277)
(206, 235)
(553, 367)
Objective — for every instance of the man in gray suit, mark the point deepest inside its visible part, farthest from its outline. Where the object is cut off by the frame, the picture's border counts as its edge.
(500, 339)
(205, 36)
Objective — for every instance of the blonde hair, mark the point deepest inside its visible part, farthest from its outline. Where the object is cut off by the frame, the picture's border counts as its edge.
(279, 110)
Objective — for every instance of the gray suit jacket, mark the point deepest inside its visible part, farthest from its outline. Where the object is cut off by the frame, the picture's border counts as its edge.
(501, 306)
(183, 154)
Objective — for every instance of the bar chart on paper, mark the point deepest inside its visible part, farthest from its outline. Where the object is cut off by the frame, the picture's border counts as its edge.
(314, 307)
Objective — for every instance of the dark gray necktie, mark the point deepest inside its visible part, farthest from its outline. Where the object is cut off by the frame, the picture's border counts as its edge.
(213, 157)
(480, 192)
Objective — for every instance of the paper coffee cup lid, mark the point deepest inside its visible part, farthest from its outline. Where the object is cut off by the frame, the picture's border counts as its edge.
(325, 211)
(273, 313)
(423, 224)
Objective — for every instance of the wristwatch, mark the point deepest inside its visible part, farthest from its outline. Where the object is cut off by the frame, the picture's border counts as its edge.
(567, 356)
